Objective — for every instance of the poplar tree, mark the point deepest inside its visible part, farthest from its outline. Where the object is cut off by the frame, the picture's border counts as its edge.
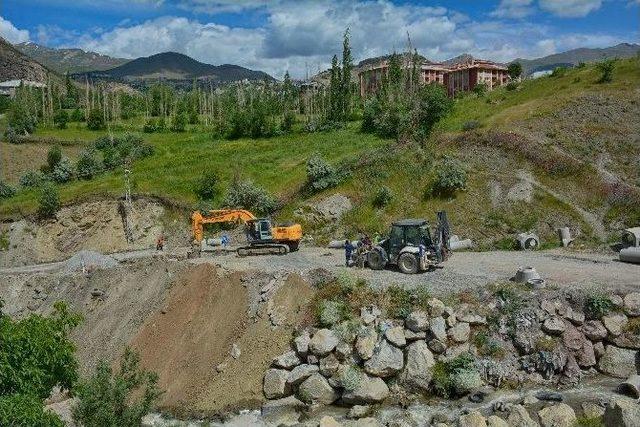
(347, 66)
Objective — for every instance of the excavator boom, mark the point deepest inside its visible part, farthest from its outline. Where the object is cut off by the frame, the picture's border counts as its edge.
(215, 217)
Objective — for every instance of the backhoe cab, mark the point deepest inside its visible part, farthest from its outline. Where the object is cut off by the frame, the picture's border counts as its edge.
(411, 247)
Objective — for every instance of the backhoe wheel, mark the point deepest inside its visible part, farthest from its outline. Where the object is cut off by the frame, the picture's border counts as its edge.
(408, 263)
(375, 260)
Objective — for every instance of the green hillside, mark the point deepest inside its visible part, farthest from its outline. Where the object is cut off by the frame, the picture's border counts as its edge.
(540, 156)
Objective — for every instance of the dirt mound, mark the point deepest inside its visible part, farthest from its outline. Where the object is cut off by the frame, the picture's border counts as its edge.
(203, 316)
(89, 261)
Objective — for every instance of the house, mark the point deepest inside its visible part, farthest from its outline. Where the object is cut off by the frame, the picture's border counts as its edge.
(465, 76)
(8, 88)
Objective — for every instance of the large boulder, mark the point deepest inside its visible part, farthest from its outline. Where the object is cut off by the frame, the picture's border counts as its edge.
(632, 304)
(615, 323)
(387, 360)
(472, 419)
(368, 390)
(496, 421)
(366, 343)
(283, 412)
(396, 336)
(519, 417)
(460, 332)
(301, 343)
(417, 373)
(417, 321)
(438, 328)
(435, 307)
(323, 342)
(301, 373)
(275, 383)
(560, 415)
(594, 330)
(618, 362)
(316, 389)
(622, 413)
(554, 325)
(287, 360)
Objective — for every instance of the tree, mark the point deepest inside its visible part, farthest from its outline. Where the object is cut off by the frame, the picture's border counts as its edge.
(206, 188)
(49, 201)
(432, 105)
(63, 171)
(22, 410)
(335, 92)
(116, 399)
(60, 119)
(347, 66)
(179, 122)
(95, 120)
(244, 194)
(77, 115)
(54, 155)
(606, 68)
(88, 165)
(515, 70)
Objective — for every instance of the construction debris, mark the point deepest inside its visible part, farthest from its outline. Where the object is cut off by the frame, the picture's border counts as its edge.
(455, 244)
(528, 241)
(86, 261)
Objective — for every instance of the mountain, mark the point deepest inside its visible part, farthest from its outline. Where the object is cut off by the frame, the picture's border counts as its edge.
(176, 67)
(69, 60)
(16, 65)
(576, 56)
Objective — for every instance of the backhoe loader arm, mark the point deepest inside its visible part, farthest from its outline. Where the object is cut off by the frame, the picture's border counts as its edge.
(217, 216)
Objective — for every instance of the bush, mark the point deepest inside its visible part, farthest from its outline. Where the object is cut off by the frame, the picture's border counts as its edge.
(111, 158)
(470, 125)
(119, 398)
(369, 114)
(20, 119)
(63, 171)
(12, 136)
(512, 86)
(451, 378)
(320, 174)
(60, 119)
(96, 120)
(559, 72)
(332, 312)
(6, 190)
(596, 306)
(179, 122)
(606, 69)
(77, 115)
(54, 155)
(288, 121)
(206, 187)
(246, 195)
(88, 165)
(383, 197)
(22, 410)
(32, 179)
(350, 378)
(450, 177)
(480, 89)
(49, 201)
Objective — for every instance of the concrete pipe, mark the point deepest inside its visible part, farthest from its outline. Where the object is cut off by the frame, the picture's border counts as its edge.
(457, 245)
(565, 236)
(536, 283)
(631, 387)
(336, 244)
(214, 242)
(525, 274)
(631, 237)
(631, 255)
(528, 241)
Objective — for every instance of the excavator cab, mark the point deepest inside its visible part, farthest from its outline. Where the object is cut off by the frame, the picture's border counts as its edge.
(259, 230)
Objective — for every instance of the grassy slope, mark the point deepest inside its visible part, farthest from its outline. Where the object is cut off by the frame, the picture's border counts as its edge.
(278, 164)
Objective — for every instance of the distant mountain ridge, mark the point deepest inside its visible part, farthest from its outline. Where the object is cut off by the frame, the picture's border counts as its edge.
(14, 65)
(69, 60)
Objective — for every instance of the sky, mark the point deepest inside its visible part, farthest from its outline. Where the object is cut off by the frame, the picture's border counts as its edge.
(301, 36)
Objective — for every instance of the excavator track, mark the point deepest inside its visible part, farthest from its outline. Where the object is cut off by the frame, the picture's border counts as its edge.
(267, 249)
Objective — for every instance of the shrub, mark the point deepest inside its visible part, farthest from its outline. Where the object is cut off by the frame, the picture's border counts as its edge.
(77, 115)
(26, 410)
(179, 122)
(320, 174)
(12, 136)
(63, 171)
(597, 305)
(470, 125)
(451, 377)
(95, 120)
(332, 312)
(512, 86)
(244, 194)
(20, 119)
(60, 119)
(350, 378)
(288, 121)
(6, 190)
(383, 197)
(480, 89)
(111, 158)
(585, 421)
(119, 398)
(606, 69)
(400, 302)
(32, 179)
(451, 176)
(559, 72)
(369, 114)
(206, 187)
(88, 165)
(49, 201)
(54, 155)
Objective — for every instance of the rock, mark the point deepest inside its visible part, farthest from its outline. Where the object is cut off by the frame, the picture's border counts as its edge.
(316, 389)
(368, 315)
(275, 383)
(287, 360)
(235, 351)
(615, 323)
(592, 410)
(328, 421)
(530, 399)
(368, 390)
(417, 321)
(386, 361)
(549, 396)
(367, 422)
(560, 415)
(453, 352)
(572, 338)
(579, 346)
(554, 325)
(221, 367)
(472, 419)
(437, 346)
(472, 319)
(301, 373)
(626, 340)
(598, 349)
(616, 300)
(329, 365)
(409, 335)
(396, 336)
(586, 357)
(460, 332)
(323, 342)
(438, 328)
(366, 343)
(285, 411)
(312, 359)
(575, 317)
(344, 350)
(358, 411)
(495, 421)
(417, 373)
(435, 307)
(594, 330)
(519, 417)
(622, 413)
(632, 304)
(550, 307)
(465, 381)
(618, 362)
(301, 343)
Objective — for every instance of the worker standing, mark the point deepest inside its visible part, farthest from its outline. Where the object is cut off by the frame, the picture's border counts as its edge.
(160, 243)
(348, 250)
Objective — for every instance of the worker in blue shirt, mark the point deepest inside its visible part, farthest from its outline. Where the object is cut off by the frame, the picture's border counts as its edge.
(348, 250)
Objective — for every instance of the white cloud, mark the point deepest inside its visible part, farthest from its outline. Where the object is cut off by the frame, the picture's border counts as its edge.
(9, 32)
(513, 9)
(570, 8)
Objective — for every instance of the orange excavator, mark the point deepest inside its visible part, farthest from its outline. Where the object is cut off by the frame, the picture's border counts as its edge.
(262, 237)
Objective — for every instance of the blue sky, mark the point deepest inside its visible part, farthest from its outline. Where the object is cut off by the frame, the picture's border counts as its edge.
(302, 35)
